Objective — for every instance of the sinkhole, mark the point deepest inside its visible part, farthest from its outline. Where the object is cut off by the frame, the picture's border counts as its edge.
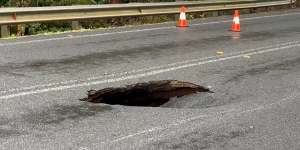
(149, 94)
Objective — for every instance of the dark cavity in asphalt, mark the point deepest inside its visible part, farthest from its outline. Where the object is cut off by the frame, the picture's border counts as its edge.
(153, 93)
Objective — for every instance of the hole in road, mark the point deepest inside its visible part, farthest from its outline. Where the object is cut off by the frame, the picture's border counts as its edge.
(153, 93)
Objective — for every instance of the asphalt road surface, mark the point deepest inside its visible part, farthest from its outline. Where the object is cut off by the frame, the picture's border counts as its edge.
(255, 75)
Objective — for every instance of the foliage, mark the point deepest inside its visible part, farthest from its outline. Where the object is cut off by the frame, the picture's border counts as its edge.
(38, 3)
(3, 2)
(39, 28)
(55, 27)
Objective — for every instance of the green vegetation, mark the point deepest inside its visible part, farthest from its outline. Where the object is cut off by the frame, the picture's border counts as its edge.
(40, 3)
(58, 27)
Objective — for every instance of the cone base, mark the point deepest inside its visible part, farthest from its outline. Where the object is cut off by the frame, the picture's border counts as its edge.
(236, 28)
(182, 23)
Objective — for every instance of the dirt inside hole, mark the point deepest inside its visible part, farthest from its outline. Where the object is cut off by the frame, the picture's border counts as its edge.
(153, 93)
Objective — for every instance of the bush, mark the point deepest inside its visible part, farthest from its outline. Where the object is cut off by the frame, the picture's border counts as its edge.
(38, 28)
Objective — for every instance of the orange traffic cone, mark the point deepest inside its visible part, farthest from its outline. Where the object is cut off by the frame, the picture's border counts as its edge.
(236, 27)
(182, 18)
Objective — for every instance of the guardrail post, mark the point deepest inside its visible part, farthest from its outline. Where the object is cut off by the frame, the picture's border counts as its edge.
(76, 25)
(5, 32)
(246, 11)
(215, 14)
(20, 30)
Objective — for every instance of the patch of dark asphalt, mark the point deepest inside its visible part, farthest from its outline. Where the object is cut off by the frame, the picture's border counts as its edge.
(197, 101)
(198, 140)
(119, 56)
(58, 113)
(287, 65)
(12, 73)
(6, 133)
(4, 121)
(268, 34)
(53, 116)
(121, 39)
(114, 56)
(8, 128)
(257, 36)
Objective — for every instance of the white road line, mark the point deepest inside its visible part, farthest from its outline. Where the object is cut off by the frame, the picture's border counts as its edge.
(232, 112)
(138, 70)
(135, 31)
(148, 73)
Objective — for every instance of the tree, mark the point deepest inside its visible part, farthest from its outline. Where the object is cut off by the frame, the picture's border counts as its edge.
(20, 3)
(3, 2)
(98, 1)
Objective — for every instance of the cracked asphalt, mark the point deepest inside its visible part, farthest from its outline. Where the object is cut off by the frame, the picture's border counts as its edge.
(255, 75)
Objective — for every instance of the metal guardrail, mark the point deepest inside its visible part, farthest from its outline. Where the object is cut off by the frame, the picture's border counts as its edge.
(40, 14)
